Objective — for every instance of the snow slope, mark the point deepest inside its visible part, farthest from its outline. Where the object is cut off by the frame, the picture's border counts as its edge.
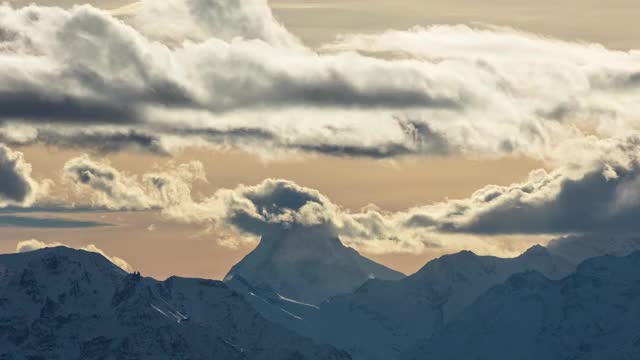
(59, 303)
(593, 314)
(382, 318)
(308, 264)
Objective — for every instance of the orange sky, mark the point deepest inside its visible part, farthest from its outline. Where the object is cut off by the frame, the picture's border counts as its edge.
(186, 250)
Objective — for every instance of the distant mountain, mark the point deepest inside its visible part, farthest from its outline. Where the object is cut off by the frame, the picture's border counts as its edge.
(307, 264)
(59, 303)
(593, 314)
(382, 318)
(578, 248)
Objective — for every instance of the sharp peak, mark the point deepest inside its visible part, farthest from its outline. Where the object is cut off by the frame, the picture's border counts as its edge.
(464, 254)
(449, 259)
(535, 250)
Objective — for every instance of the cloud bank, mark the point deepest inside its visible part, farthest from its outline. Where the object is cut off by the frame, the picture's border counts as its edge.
(33, 244)
(592, 196)
(227, 73)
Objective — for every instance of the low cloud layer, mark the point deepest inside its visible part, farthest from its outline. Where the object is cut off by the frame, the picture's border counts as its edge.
(227, 73)
(33, 244)
(596, 195)
(17, 186)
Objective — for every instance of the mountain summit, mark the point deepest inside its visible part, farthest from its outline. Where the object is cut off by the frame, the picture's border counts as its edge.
(591, 314)
(382, 318)
(309, 264)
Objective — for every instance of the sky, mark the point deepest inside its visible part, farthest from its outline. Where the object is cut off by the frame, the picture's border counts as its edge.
(172, 134)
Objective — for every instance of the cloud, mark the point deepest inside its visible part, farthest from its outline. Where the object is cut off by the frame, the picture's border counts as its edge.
(227, 73)
(33, 244)
(578, 248)
(597, 193)
(40, 222)
(110, 188)
(199, 20)
(592, 195)
(17, 186)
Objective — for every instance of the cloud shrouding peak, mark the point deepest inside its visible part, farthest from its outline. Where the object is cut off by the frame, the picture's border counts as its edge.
(17, 186)
(229, 74)
(592, 196)
(33, 244)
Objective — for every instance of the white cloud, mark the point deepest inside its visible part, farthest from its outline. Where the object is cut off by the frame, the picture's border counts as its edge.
(33, 244)
(108, 187)
(577, 198)
(83, 77)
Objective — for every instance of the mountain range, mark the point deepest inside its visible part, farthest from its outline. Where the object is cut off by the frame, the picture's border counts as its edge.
(591, 314)
(60, 303)
(302, 294)
(382, 318)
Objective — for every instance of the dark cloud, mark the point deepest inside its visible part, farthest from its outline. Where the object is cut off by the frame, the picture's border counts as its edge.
(270, 205)
(42, 222)
(17, 187)
(61, 108)
(549, 203)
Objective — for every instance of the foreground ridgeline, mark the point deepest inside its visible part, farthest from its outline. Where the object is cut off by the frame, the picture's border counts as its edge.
(59, 303)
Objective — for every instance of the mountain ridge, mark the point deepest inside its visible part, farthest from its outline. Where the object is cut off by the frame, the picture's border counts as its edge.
(61, 303)
(590, 314)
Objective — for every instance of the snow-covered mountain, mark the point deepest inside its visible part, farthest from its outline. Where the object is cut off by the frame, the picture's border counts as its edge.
(382, 318)
(308, 264)
(578, 248)
(593, 314)
(59, 303)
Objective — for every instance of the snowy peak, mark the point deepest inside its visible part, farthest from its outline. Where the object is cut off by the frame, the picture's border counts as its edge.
(466, 263)
(59, 303)
(382, 318)
(309, 264)
(591, 314)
